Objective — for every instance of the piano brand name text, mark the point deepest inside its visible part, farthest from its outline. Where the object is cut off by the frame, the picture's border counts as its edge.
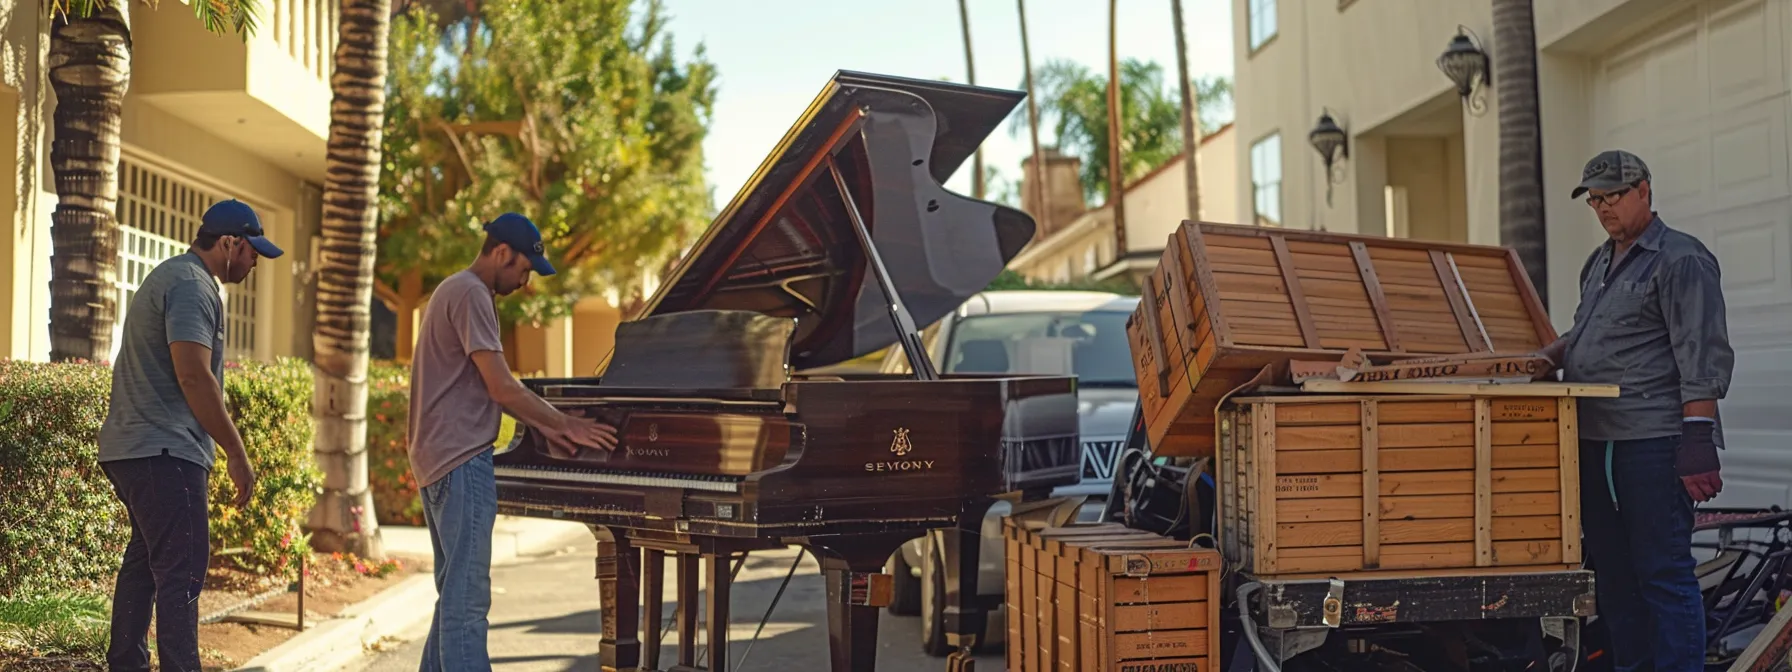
(649, 452)
(900, 465)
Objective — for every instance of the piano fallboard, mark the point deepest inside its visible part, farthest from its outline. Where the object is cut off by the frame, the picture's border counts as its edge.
(878, 452)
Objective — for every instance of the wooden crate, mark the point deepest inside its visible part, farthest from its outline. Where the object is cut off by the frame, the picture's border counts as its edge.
(1225, 301)
(1077, 579)
(1329, 485)
(1148, 609)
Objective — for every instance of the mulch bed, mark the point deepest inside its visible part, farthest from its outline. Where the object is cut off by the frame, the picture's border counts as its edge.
(332, 585)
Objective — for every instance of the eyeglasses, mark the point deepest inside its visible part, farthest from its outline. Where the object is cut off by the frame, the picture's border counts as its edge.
(1608, 198)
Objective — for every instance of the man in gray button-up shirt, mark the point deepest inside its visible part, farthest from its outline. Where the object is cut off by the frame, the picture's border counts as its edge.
(1651, 320)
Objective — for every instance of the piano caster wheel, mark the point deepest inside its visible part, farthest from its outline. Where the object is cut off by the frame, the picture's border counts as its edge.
(961, 661)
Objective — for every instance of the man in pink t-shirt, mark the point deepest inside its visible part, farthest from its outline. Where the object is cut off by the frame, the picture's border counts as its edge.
(459, 385)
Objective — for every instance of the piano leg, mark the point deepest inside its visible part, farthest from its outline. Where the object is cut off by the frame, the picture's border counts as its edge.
(857, 590)
(965, 619)
(653, 577)
(687, 609)
(619, 594)
(719, 577)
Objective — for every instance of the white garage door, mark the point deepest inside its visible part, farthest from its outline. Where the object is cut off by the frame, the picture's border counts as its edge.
(1703, 99)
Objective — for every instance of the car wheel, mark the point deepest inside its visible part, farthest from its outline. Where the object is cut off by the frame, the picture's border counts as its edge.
(907, 600)
(933, 601)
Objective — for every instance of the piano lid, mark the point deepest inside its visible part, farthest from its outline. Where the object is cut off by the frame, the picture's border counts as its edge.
(786, 247)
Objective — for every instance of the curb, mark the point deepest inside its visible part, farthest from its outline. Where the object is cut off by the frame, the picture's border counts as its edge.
(337, 642)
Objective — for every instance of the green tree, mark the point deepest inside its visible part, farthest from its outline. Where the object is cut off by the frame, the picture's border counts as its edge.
(576, 113)
(1073, 101)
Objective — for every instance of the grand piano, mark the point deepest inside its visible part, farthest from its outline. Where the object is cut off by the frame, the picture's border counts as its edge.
(841, 243)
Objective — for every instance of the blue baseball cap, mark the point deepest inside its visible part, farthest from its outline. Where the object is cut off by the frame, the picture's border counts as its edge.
(521, 235)
(232, 217)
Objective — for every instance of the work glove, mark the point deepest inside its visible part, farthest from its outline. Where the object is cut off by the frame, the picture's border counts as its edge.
(1696, 462)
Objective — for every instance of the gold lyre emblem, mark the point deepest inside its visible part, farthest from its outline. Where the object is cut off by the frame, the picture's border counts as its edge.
(901, 446)
(653, 431)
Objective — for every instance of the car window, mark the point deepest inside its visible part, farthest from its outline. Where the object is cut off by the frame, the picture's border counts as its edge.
(1090, 345)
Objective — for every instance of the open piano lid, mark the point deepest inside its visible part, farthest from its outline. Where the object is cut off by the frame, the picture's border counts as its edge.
(785, 245)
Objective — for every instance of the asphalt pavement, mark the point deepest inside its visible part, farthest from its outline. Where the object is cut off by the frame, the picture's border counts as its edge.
(545, 618)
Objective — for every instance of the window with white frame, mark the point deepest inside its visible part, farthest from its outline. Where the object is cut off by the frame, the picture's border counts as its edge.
(1261, 17)
(1266, 180)
(158, 217)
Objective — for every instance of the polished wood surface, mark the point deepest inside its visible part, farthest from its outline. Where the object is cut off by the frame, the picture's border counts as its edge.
(722, 452)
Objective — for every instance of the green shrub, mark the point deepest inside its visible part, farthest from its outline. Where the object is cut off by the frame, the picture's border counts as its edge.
(61, 526)
(395, 497)
(271, 405)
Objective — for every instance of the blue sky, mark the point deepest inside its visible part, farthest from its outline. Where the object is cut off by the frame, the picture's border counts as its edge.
(775, 55)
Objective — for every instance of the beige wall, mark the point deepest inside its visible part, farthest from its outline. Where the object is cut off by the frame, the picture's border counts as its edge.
(1372, 64)
(262, 160)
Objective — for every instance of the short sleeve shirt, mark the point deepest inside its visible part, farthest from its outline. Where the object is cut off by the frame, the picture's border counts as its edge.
(452, 419)
(148, 414)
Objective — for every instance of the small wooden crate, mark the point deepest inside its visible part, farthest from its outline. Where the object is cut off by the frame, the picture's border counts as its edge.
(1072, 581)
(1225, 301)
(1326, 485)
(1149, 609)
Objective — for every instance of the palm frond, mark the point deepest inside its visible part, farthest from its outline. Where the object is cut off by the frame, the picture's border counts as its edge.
(239, 15)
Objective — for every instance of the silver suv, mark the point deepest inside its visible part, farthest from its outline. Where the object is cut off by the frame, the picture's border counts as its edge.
(1030, 332)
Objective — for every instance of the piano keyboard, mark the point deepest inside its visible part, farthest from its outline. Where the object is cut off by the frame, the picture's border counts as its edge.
(630, 478)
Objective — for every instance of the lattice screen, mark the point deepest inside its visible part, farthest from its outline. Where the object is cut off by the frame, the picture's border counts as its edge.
(160, 215)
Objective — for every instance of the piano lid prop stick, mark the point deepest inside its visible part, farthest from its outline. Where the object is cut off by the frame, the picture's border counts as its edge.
(905, 325)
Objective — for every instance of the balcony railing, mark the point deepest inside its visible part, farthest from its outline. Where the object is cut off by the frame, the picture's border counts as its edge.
(306, 29)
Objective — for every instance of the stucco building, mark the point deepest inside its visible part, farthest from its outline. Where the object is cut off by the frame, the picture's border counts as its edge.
(1077, 242)
(207, 117)
(1698, 88)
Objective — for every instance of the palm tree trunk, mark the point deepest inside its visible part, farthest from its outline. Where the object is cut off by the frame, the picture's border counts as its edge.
(1041, 181)
(1521, 138)
(1116, 175)
(1191, 116)
(970, 72)
(344, 517)
(90, 69)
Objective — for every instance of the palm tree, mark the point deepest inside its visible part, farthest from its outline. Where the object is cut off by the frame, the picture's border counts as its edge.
(1116, 172)
(1191, 115)
(1073, 103)
(1521, 138)
(90, 69)
(343, 519)
(1040, 181)
(970, 72)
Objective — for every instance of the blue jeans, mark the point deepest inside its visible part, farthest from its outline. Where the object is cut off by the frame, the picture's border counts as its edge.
(461, 510)
(1637, 522)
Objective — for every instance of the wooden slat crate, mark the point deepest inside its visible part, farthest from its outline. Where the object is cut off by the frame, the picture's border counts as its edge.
(1075, 580)
(1330, 485)
(1225, 301)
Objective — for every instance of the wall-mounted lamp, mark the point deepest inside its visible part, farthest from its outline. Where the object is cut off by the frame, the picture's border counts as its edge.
(1332, 143)
(1467, 65)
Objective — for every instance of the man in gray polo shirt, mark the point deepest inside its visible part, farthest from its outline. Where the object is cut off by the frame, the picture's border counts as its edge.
(156, 446)
(1651, 320)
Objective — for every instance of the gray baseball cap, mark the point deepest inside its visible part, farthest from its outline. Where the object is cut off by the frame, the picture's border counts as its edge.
(1611, 169)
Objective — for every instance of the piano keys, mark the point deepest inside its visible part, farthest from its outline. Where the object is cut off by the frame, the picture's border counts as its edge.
(843, 243)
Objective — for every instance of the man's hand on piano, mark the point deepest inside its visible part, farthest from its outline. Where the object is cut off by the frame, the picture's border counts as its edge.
(576, 433)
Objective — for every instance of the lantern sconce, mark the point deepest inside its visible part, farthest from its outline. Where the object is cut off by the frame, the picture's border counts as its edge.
(1467, 66)
(1332, 143)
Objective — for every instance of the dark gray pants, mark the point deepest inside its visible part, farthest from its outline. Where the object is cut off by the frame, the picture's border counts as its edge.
(164, 564)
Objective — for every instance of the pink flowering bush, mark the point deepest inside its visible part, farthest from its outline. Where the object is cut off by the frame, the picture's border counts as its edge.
(61, 528)
(271, 405)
